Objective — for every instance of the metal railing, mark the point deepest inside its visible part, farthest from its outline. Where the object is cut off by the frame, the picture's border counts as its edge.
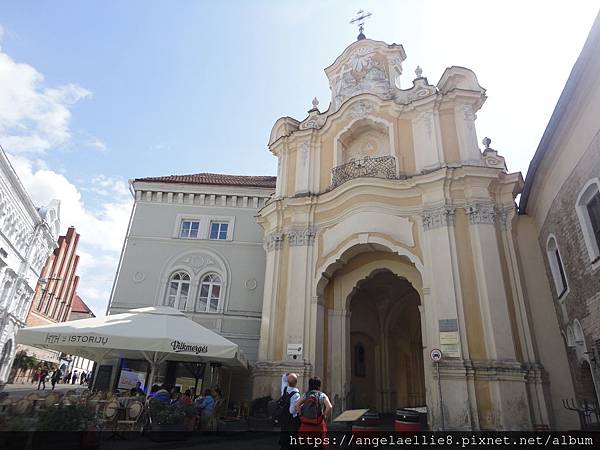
(380, 167)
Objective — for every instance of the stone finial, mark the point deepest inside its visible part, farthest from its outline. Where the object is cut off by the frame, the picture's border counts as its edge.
(486, 142)
(418, 72)
(315, 103)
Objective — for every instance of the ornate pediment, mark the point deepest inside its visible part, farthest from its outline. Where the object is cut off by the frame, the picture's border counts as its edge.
(365, 67)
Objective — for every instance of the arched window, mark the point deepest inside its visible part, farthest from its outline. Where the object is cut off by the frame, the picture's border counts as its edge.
(178, 290)
(588, 212)
(570, 337)
(210, 293)
(556, 266)
(5, 356)
(578, 333)
(360, 366)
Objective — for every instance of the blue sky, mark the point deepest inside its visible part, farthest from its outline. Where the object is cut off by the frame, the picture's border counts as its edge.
(94, 93)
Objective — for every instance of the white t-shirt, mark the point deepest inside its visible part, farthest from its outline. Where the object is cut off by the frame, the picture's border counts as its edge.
(294, 398)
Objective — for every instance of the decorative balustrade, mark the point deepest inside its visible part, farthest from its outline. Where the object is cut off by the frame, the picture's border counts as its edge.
(380, 167)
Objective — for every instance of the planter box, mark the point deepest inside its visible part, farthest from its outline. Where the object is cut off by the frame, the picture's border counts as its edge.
(170, 432)
(260, 423)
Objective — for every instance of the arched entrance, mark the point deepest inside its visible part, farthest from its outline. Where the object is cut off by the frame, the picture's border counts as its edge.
(386, 344)
(371, 320)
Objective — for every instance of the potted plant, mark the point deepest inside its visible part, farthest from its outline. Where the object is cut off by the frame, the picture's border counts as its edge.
(168, 421)
(76, 423)
(259, 418)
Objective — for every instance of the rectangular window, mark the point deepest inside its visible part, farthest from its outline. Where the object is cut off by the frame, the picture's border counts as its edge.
(218, 230)
(593, 209)
(189, 229)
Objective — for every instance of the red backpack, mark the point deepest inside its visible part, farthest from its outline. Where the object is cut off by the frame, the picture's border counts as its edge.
(311, 412)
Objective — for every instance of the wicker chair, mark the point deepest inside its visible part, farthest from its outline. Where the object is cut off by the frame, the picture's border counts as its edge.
(5, 403)
(110, 414)
(23, 407)
(134, 412)
(51, 399)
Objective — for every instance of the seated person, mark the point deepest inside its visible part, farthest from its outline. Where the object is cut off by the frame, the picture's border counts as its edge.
(163, 394)
(205, 406)
(137, 390)
(186, 398)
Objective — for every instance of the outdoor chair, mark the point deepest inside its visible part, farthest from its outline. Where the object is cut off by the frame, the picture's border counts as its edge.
(132, 417)
(51, 399)
(23, 407)
(5, 403)
(110, 414)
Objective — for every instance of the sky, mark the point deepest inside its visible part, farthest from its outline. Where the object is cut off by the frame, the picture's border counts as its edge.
(98, 92)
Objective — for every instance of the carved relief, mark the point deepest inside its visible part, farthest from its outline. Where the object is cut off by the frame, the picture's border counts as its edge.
(315, 122)
(481, 213)
(273, 241)
(438, 217)
(197, 262)
(366, 71)
(250, 284)
(362, 109)
(301, 237)
(138, 277)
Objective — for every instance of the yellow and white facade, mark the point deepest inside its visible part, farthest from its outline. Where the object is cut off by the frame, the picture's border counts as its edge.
(391, 234)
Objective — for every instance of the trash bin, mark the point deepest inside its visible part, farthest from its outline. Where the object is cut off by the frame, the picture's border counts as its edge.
(368, 425)
(407, 420)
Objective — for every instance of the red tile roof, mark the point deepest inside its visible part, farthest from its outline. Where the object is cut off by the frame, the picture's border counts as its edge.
(216, 178)
(79, 306)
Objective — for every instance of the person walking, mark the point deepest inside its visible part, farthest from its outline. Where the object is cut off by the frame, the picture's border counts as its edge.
(67, 378)
(42, 379)
(74, 377)
(56, 376)
(314, 407)
(290, 422)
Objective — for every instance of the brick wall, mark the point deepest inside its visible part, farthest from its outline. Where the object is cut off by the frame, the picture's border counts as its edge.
(582, 301)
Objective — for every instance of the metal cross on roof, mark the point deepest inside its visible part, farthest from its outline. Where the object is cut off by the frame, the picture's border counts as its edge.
(360, 18)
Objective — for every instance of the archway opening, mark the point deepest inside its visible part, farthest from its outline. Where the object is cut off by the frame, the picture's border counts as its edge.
(386, 345)
(586, 388)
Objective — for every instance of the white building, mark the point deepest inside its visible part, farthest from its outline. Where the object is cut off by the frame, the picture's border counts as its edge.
(27, 237)
(193, 243)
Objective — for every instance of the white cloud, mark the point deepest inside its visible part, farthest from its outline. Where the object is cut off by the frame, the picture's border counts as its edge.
(96, 144)
(102, 228)
(33, 118)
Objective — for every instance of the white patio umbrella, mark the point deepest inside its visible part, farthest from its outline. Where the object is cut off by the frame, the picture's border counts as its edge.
(156, 334)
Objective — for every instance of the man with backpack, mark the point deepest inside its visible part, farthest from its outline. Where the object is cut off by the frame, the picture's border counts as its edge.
(313, 408)
(286, 413)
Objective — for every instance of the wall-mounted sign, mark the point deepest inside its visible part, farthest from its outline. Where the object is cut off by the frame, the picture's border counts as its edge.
(294, 349)
(449, 339)
(435, 355)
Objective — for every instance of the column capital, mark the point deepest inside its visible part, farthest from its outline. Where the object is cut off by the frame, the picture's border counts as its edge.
(505, 216)
(481, 213)
(301, 236)
(273, 241)
(442, 216)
